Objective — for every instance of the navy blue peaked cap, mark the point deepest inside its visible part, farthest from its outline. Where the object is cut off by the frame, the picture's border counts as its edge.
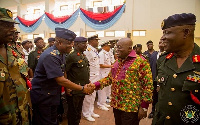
(65, 34)
(178, 20)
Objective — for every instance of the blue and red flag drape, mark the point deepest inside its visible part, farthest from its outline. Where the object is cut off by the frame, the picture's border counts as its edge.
(27, 25)
(62, 22)
(97, 21)
(101, 21)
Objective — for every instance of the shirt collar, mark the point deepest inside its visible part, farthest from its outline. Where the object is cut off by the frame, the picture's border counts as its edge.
(132, 54)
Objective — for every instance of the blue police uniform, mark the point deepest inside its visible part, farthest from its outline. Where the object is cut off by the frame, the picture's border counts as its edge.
(45, 93)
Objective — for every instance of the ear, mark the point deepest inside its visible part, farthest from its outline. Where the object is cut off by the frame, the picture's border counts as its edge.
(186, 33)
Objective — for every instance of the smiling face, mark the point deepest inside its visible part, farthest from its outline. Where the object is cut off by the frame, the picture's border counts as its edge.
(123, 48)
(7, 32)
(64, 46)
(173, 39)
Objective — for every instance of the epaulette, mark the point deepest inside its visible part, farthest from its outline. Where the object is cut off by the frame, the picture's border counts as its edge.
(55, 52)
(196, 58)
(88, 49)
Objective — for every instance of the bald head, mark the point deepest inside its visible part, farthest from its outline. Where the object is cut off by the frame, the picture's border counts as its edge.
(126, 42)
(124, 47)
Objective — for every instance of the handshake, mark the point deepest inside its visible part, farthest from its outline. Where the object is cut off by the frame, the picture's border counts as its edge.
(89, 88)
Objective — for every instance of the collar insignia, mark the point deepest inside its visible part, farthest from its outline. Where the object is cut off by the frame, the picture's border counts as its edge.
(169, 56)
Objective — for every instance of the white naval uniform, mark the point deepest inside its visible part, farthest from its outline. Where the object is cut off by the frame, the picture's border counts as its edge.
(93, 58)
(106, 60)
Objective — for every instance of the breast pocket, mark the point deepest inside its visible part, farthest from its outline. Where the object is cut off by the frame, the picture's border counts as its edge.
(190, 86)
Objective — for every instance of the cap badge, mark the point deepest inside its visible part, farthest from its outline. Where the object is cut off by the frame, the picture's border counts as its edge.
(162, 24)
(9, 14)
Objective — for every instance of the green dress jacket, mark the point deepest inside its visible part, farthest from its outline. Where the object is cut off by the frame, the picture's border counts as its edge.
(175, 105)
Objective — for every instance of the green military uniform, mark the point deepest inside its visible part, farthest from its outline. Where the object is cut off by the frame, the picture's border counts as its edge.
(77, 68)
(175, 106)
(33, 59)
(13, 90)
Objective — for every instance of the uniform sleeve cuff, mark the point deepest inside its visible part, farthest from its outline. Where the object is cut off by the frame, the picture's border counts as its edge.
(144, 104)
(97, 84)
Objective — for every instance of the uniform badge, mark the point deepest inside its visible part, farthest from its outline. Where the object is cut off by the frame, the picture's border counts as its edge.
(162, 24)
(80, 61)
(9, 14)
(196, 58)
(20, 61)
(169, 56)
(162, 79)
(189, 114)
(2, 74)
(194, 78)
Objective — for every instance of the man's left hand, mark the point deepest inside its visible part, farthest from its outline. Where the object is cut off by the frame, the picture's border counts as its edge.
(141, 113)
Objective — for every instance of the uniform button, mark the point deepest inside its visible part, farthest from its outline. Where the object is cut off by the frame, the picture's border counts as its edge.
(158, 80)
(172, 89)
(196, 90)
(48, 93)
(167, 117)
(169, 103)
(174, 75)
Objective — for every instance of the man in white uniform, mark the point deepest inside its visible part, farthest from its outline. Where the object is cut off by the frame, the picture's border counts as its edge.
(105, 67)
(93, 58)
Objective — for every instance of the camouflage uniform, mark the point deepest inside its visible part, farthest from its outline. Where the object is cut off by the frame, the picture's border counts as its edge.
(13, 90)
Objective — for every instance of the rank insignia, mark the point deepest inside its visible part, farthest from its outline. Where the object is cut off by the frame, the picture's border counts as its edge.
(88, 49)
(196, 58)
(169, 56)
(80, 61)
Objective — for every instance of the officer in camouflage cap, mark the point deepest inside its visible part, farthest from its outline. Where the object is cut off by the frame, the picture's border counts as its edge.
(13, 71)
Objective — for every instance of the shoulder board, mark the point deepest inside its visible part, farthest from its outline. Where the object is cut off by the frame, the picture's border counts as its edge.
(55, 52)
(88, 49)
(196, 58)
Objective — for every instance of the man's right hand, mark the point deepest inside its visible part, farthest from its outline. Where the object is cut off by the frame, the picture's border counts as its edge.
(88, 89)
